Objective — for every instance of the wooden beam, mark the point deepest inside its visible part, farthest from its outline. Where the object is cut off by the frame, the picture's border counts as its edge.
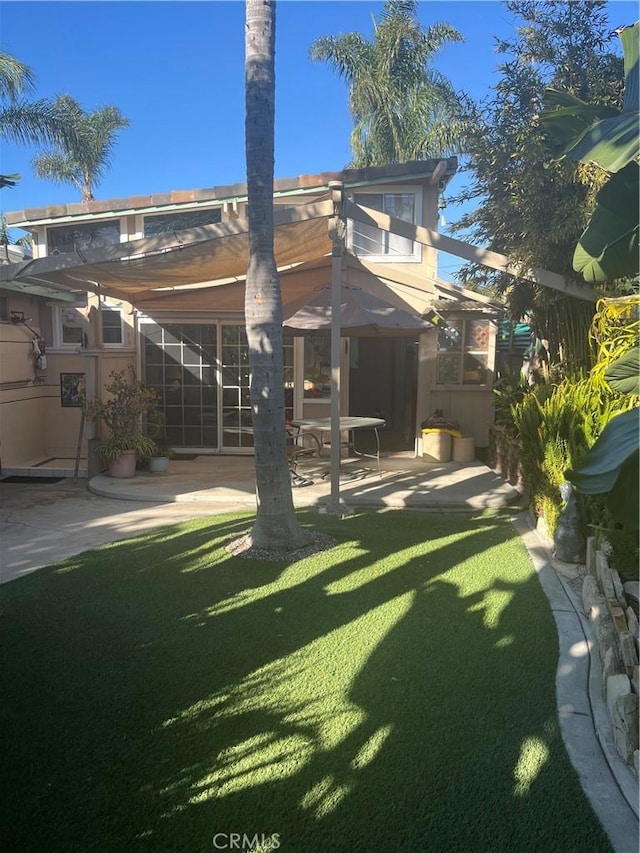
(460, 249)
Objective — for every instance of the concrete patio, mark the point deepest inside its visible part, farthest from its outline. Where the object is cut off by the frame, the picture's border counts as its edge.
(404, 482)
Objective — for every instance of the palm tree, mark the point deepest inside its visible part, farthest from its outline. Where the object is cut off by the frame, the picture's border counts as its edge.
(23, 121)
(402, 108)
(84, 152)
(276, 526)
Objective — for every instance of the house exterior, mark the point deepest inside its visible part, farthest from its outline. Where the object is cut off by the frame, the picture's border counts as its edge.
(154, 285)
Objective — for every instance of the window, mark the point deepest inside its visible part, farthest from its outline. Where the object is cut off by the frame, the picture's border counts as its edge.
(69, 328)
(4, 309)
(111, 326)
(167, 223)
(88, 235)
(463, 352)
(376, 245)
(317, 367)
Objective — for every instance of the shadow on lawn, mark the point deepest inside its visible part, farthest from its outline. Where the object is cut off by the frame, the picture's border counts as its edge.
(156, 697)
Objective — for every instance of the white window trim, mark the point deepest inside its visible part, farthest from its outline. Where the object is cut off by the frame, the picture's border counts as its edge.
(58, 342)
(43, 239)
(416, 256)
(118, 309)
(140, 217)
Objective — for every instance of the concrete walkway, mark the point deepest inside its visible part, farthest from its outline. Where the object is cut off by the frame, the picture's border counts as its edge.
(41, 524)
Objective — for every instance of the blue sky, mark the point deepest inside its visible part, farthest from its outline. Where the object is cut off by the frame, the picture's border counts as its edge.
(176, 70)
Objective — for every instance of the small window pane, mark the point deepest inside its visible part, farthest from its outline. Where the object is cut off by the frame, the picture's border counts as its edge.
(477, 336)
(317, 367)
(71, 323)
(73, 238)
(474, 370)
(167, 223)
(448, 369)
(111, 326)
(450, 336)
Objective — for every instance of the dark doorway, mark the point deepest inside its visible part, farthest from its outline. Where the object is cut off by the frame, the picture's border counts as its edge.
(383, 383)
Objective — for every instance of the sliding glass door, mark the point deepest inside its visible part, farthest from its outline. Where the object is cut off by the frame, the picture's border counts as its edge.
(200, 372)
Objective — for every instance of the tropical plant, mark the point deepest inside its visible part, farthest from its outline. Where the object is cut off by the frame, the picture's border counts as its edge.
(402, 108)
(611, 465)
(23, 121)
(524, 206)
(276, 526)
(85, 150)
(608, 248)
(556, 424)
(156, 429)
(123, 413)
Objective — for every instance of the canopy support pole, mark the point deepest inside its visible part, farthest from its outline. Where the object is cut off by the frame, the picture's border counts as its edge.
(336, 232)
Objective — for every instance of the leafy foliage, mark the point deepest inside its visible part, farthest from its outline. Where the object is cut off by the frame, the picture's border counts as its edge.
(123, 413)
(608, 248)
(23, 121)
(524, 206)
(84, 151)
(402, 108)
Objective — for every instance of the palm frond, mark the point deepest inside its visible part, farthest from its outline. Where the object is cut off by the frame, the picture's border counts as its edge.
(16, 78)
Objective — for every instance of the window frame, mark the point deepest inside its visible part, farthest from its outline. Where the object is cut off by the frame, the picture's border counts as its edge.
(416, 256)
(143, 217)
(96, 223)
(112, 309)
(463, 351)
(58, 328)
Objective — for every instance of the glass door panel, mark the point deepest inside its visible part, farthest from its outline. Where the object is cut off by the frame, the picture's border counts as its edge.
(237, 426)
(180, 366)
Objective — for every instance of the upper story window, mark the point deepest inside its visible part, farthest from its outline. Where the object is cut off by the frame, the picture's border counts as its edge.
(463, 352)
(376, 245)
(62, 239)
(167, 223)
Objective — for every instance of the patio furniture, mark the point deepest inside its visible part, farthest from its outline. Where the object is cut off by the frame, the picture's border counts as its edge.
(349, 425)
(300, 444)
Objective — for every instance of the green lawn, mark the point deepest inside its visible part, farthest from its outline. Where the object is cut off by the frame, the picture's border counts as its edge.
(393, 694)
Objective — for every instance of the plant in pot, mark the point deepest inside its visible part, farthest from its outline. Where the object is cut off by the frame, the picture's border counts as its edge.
(123, 413)
(158, 460)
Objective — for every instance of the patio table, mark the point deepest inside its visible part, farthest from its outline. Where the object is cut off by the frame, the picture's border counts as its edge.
(348, 424)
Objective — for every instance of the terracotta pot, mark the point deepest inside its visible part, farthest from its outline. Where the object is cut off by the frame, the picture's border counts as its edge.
(124, 466)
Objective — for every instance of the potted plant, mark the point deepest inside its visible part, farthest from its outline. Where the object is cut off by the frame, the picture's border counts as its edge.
(158, 460)
(123, 413)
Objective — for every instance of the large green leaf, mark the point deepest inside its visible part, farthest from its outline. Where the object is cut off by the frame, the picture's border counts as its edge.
(567, 119)
(612, 142)
(623, 501)
(623, 374)
(629, 36)
(608, 248)
(593, 133)
(601, 466)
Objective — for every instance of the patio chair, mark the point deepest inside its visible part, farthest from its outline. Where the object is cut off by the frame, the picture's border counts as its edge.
(299, 444)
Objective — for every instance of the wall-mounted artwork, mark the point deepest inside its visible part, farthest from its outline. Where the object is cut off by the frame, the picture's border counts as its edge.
(72, 389)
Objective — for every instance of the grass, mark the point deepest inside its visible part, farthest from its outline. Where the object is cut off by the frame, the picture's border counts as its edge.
(393, 694)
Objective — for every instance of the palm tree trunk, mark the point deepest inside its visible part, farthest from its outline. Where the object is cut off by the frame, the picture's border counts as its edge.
(276, 526)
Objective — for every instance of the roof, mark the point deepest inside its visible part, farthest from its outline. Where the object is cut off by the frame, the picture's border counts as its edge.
(436, 169)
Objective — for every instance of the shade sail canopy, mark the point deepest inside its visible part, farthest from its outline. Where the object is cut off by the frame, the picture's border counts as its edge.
(361, 315)
(212, 255)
